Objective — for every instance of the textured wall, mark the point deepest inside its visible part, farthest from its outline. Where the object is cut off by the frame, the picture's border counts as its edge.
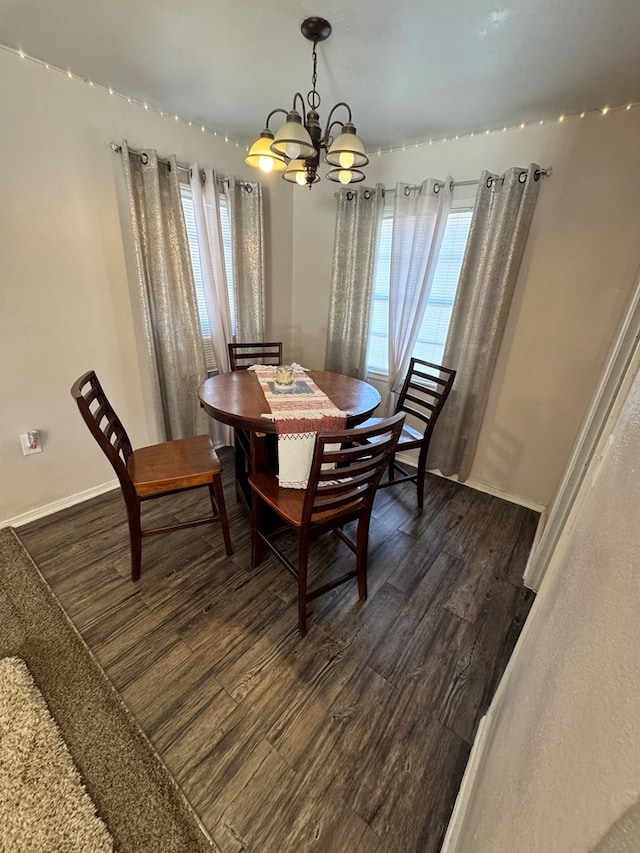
(560, 769)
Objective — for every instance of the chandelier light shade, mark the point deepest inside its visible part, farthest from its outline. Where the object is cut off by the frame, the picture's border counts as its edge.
(296, 173)
(347, 150)
(298, 146)
(293, 140)
(261, 156)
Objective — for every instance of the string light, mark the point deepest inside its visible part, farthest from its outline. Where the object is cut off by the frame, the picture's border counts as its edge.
(602, 111)
(111, 91)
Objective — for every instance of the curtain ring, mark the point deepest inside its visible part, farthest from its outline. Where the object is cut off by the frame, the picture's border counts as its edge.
(490, 182)
(367, 194)
(522, 177)
(436, 188)
(350, 195)
(144, 158)
(407, 191)
(248, 188)
(537, 174)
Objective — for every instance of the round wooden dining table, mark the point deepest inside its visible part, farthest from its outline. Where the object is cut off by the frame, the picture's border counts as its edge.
(236, 399)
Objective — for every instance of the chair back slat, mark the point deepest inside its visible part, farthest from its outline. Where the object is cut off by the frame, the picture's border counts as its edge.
(346, 469)
(243, 355)
(104, 424)
(425, 391)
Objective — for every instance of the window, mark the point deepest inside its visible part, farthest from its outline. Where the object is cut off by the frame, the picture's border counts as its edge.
(225, 225)
(435, 323)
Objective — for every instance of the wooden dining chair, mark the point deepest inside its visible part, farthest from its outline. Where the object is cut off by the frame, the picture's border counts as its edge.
(345, 473)
(151, 472)
(243, 355)
(424, 393)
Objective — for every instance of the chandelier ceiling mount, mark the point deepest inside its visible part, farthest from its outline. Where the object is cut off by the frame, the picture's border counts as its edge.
(297, 146)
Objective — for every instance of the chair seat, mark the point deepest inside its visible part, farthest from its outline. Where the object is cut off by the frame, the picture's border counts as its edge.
(178, 464)
(288, 503)
(409, 437)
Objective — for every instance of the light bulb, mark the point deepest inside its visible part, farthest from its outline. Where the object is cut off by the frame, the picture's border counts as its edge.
(345, 176)
(346, 159)
(292, 150)
(301, 178)
(265, 163)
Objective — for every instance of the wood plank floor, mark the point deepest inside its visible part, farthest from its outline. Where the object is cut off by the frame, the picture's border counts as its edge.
(353, 739)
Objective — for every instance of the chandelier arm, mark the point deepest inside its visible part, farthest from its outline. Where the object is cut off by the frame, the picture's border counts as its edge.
(295, 98)
(327, 131)
(272, 113)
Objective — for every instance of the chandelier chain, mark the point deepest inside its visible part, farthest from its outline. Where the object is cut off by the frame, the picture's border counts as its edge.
(313, 98)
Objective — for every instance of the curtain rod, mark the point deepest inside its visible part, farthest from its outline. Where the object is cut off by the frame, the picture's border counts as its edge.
(539, 173)
(144, 157)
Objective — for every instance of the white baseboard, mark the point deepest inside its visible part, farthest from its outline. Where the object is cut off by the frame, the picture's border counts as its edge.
(406, 459)
(451, 839)
(56, 506)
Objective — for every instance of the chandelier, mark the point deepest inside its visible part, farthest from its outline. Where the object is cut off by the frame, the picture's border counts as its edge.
(296, 148)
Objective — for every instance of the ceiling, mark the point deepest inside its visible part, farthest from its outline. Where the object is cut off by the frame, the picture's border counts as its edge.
(411, 70)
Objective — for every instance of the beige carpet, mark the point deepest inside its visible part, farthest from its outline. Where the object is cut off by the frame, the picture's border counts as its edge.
(43, 803)
(134, 794)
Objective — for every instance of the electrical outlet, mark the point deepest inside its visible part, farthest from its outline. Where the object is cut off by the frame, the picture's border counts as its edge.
(27, 449)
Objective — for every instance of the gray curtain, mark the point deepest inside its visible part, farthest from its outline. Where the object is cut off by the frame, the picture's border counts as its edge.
(165, 292)
(247, 238)
(358, 220)
(497, 237)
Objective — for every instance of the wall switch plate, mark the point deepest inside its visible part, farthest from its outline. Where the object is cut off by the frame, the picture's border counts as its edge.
(26, 446)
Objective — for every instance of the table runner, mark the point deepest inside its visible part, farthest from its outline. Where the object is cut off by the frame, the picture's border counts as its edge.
(299, 411)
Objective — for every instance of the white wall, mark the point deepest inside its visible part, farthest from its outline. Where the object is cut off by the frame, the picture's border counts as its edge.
(579, 269)
(558, 769)
(64, 301)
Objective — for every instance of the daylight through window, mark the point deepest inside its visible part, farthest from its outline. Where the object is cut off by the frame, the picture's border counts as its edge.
(225, 225)
(437, 315)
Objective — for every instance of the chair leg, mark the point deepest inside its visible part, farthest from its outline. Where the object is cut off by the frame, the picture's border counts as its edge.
(135, 540)
(422, 470)
(392, 466)
(303, 559)
(216, 493)
(362, 547)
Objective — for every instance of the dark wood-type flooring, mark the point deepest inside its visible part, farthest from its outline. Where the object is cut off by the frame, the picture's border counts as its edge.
(353, 739)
